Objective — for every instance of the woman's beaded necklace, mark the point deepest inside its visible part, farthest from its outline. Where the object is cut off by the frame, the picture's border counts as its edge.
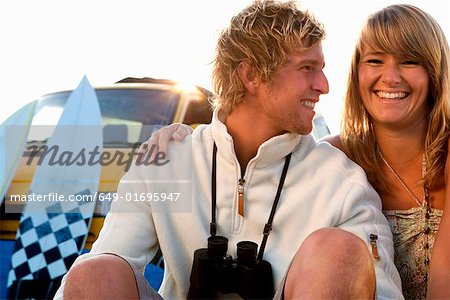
(425, 205)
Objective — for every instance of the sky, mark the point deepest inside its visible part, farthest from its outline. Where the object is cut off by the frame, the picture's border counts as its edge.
(47, 46)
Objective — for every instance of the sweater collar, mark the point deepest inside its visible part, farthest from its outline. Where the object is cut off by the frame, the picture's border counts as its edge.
(270, 152)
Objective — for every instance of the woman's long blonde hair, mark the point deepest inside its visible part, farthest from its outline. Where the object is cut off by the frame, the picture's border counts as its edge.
(407, 31)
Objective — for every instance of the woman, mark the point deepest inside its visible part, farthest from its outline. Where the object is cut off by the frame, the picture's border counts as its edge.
(396, 126)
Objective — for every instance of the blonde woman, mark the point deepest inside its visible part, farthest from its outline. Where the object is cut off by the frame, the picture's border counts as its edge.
(396, 125)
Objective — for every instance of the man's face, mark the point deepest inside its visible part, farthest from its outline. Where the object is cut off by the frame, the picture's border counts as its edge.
(287, 104)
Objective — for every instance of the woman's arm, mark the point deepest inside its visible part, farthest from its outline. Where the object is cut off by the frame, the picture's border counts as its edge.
(439, 283)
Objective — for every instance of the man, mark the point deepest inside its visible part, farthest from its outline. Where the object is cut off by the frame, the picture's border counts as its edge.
(326, 236)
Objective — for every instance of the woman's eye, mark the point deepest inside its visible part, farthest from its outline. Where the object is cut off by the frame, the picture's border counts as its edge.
(374, 61)
(411, 62)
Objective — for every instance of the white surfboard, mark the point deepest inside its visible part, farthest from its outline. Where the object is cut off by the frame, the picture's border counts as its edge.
(52, 233)
(13, 137)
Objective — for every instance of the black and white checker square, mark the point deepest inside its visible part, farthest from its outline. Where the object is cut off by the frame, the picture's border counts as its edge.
(48, 243)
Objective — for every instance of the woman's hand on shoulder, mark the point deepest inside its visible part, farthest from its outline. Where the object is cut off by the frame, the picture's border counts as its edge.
(159, 140)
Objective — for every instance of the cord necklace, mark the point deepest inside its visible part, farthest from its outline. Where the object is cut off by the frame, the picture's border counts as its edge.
(424, 205)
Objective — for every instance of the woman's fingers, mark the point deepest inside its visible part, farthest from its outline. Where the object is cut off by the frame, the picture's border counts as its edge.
(182, 131)
(159, 140)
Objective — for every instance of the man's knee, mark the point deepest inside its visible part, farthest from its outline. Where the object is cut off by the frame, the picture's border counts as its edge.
(334, 249)
(334, 243)
(105, 264)
(98, 274)
(331, 255)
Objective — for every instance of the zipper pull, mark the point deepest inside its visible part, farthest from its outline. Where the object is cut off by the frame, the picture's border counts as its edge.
(241, 196)
(373, 244)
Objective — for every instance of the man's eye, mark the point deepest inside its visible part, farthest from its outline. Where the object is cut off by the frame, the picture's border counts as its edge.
(306, 68)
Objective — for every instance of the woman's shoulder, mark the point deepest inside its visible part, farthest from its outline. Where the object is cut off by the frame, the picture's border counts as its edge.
(335, 141)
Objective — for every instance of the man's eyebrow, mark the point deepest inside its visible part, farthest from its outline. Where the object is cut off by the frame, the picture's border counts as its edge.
(309, 62)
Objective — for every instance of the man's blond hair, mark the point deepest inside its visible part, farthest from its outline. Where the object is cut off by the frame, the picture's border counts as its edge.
(261, 35)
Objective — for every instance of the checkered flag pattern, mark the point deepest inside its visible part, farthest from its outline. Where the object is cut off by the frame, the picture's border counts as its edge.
(47, 243)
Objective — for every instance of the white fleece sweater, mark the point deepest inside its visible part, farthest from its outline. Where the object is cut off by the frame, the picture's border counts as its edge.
(323, 188)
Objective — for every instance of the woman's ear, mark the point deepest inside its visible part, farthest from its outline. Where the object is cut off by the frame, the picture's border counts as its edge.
(248, 77)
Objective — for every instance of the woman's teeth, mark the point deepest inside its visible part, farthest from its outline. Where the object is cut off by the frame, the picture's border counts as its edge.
(398, 95)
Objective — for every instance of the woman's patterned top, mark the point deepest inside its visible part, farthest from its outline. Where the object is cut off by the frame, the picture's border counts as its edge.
(408, 229)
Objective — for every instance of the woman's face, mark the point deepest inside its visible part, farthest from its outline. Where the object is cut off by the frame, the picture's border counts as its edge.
(394, 89)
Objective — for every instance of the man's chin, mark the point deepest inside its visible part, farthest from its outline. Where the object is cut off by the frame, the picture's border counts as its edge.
(304, 131)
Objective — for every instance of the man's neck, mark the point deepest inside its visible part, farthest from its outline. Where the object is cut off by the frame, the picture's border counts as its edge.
(248, 132)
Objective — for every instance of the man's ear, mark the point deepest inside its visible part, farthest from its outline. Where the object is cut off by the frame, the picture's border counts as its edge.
(248, 76)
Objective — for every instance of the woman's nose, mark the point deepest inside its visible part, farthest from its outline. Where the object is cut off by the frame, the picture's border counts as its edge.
(391, 73)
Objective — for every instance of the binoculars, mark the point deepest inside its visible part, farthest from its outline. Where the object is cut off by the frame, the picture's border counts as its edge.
(215, 271)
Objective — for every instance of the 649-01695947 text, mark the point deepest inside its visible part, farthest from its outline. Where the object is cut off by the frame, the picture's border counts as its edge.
(140, 197)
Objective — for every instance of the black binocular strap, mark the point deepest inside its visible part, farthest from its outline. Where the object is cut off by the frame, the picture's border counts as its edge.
(268, 226)
(212, 225)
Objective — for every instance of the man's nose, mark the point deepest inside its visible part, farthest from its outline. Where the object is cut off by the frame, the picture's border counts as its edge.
(321, 83)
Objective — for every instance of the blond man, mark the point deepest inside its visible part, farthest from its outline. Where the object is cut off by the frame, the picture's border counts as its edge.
(324, 233)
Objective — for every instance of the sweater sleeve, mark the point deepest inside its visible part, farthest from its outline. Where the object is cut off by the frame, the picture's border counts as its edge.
(128, 230)
(362, 216)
